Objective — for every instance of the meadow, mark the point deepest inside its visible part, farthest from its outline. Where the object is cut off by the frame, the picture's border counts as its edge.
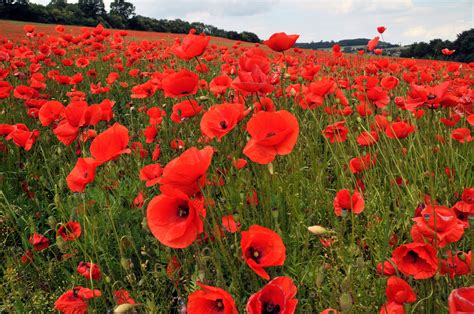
(159, 173)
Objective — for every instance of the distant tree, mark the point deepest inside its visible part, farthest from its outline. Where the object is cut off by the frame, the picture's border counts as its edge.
(92, 8)
(57, 4)
(122, 8)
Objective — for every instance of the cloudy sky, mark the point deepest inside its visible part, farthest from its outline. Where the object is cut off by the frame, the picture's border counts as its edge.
(407, 21)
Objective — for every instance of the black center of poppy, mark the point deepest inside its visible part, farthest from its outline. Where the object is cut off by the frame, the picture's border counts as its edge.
(223, 124)
(254, 254)
(183, 211)
(219, 305)
(270, 308)
(431, 97)
(270, 134)
(413, 256)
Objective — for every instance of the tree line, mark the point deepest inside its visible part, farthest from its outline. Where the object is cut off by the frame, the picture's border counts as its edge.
(464, 46)
(121, 15)
(343, 43)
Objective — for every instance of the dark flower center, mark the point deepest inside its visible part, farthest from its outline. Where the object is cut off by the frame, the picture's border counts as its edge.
(183, 210)
(270, 308)
(270, 134)
(254, 254)
(219, 305)
(413, 256)
(431, 97)
(223, 124)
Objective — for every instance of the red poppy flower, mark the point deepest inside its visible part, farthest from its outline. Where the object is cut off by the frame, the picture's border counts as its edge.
(50, 112)
(362, 163)
(373, 43)
(89, 270)
(70, 231)
(210, 300)
(221, 119)
(437, 225)
(220, 84)
(22, 137)
(255, 81)
(175, 219)
(386, 268)
(416, 259)
(344, 203)
(74, 301)
(185, 110)
(461, 301)
(191, 45)
(151, 174)
(278, 296)
(281, 41)
(123, 297)
(392, 308)
(456, 265)
(272, 133)
(447, 52)
(399, 130)
(180, 84)
(230, 224)
(330, 311)
(381, 29)
(336, 132)
(156, 115)
(462, 135)
(398, 290)
(110, 144)
(367, 138)
(82, 174)
(261, 248)
(39, 242)
(187, 172)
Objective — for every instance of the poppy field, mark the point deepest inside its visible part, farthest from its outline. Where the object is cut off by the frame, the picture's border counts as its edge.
(154, 173)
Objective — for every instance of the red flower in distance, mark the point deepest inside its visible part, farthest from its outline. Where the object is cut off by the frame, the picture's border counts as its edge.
(180, 84)
(281, 41)
(191, 45)
(210, 300)
(70, 231)
(187, 172)
(261, 248)
(278, 296)
(221, 119)
(39, 242)
(336, 132)
(89, 270)
(437, 225)
(416, 259)
(110, 144)
(82, 174)
(398, 290)
(272, 133)
(175, 219)
(344, 203)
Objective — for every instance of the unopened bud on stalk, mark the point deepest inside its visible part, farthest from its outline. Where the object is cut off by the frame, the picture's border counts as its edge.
(270, 168)
(287, 75)
(317, 230)
(345, 301)
(203, 98)
(293, 92)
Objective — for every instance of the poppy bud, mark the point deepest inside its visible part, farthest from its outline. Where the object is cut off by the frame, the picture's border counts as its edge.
(270, 168)
(319, 277)
(52, 222)
(203, 98)
(317, 230)
(345, 301)
(126, 263)
(61, 244)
